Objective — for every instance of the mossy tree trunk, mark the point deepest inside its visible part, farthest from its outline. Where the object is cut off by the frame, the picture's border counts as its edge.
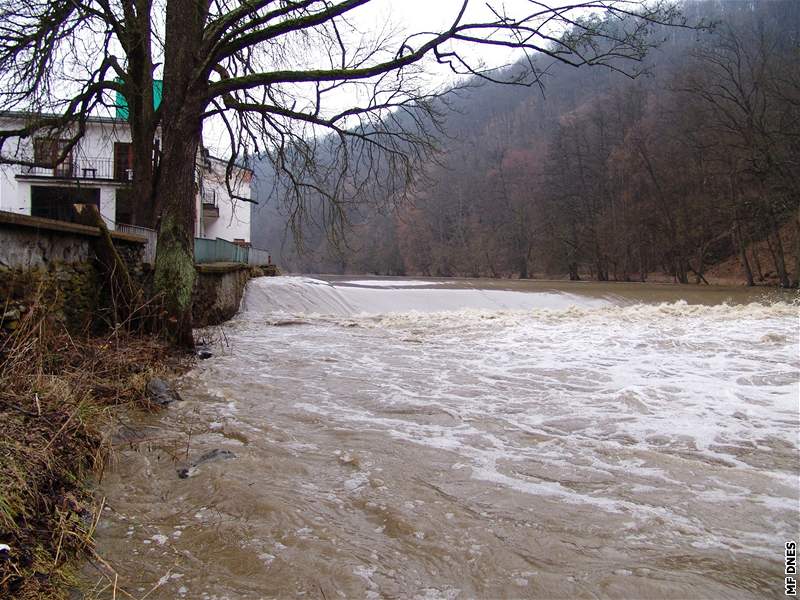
(174, 268)
(183, 105)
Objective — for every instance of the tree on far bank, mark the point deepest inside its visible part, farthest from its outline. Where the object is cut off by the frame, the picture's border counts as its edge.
(680, 174)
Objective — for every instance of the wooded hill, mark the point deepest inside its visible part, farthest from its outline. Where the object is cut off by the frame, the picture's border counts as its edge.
(597, 175)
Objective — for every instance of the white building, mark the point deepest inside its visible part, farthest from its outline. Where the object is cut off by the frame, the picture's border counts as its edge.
(99, 171)
(219, 215)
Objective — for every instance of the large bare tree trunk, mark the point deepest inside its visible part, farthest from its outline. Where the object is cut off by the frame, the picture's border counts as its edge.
(175, 271)
(797, 250)
(175, 189)
(777, 252)
(573, 271)
(756, 259)
(776, 245)
(523, 265)
(144, 210)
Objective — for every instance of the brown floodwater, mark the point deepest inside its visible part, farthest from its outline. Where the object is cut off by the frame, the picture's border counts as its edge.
(396, 438)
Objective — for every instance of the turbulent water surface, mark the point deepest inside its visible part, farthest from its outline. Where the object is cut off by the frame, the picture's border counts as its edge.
(470, 439)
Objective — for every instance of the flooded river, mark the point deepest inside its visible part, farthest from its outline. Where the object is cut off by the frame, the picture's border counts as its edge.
(470, 439)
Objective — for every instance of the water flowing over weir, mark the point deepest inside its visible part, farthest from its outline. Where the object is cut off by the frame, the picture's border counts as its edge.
(433, 439)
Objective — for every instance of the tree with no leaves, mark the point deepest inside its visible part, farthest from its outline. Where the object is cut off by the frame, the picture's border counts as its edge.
(272, 73)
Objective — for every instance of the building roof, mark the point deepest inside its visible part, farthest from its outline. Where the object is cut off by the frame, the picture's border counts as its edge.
(122, 101)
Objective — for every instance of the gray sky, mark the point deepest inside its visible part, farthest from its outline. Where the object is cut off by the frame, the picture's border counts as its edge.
(404, 17)
(435, 15)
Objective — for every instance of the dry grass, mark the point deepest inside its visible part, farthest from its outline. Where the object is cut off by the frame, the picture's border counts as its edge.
(58, 394)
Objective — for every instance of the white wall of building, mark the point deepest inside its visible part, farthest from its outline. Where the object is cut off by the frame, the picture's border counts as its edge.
(96, 150)
(96, 145)
(199, 223)
(108, 206)
(234, 215)
(100, 137)
(15, 196)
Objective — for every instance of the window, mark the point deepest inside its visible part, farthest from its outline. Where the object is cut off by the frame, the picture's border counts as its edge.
(48, 150)
(123, 161)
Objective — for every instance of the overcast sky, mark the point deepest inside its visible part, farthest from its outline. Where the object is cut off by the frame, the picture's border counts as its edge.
(435, 15)
(405, 17)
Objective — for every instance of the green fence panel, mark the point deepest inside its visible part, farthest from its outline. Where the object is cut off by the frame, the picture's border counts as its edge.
(259, 257)
(210, 251)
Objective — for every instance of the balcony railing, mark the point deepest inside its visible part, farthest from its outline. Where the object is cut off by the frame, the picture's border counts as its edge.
(208, 199)
(205, 250)
(219, 250)
(105, 169)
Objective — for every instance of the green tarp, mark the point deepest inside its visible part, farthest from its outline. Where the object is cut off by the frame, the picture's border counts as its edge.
(122, 102)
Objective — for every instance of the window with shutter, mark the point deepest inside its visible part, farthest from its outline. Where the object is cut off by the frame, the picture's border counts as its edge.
(123, 161)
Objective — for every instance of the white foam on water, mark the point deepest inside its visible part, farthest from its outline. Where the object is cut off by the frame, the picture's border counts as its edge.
(543, 392)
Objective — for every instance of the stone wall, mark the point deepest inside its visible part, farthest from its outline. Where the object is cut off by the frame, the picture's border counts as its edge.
(52, 262)
(69, 291)
(218, 292)
(28, 243)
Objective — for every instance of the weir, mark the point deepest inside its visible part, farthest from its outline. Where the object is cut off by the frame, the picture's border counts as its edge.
(307, 295)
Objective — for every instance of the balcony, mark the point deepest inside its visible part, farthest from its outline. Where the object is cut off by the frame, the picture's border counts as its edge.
(83, 168)
(208, 199)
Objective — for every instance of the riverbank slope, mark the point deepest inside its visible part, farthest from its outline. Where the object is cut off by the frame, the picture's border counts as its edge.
(60, 393)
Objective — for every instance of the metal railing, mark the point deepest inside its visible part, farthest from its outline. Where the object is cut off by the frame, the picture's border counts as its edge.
(205, 250)
(219, 250)
(258, 258)
(149, 255)
(209, 198)
(82, 167)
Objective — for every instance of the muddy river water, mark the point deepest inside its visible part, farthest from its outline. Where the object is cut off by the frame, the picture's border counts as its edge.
(396, 438)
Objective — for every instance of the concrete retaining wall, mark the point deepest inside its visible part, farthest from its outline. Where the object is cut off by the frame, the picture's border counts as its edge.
(218, 292)
(30, 242)
(35, 248)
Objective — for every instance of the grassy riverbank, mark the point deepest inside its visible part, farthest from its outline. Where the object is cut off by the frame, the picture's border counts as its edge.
(59, 397)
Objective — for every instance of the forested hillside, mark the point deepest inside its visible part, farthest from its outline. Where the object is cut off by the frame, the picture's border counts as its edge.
(598, 175)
